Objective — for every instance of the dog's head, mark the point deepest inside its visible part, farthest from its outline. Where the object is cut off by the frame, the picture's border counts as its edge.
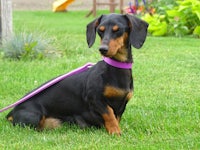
(117, 33)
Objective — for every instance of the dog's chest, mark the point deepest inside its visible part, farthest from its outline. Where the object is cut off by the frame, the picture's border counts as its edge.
(112, 92)
(118, 84)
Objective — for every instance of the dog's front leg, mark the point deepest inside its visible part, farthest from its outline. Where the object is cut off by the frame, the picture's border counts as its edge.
(111, 122)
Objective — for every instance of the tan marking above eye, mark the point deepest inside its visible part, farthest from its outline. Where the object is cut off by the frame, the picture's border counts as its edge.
(115, 28)
(102, 28)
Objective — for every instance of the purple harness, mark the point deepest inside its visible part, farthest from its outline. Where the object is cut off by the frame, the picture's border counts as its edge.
(109, 61)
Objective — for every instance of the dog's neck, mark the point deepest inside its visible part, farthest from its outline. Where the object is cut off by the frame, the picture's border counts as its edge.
(117, 64)
(125, 63)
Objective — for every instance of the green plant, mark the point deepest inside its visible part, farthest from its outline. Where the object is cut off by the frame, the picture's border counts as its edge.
(197, 31)
(27, 46)
(162, 5)
(178, 19)
(157, 24)
(184, 18)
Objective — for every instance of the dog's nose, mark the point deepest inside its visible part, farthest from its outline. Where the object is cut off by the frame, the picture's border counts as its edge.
(103, 49)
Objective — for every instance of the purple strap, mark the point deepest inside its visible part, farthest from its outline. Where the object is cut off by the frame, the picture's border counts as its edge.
(50, 83)
(109, 61)
(117, 64)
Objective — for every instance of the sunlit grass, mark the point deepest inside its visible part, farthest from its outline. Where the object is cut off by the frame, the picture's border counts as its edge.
(163, 114)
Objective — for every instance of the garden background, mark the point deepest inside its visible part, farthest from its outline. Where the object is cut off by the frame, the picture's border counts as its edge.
(165, 110)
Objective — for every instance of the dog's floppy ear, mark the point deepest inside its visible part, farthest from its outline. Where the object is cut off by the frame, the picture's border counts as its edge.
(138, 30)
(91, 31)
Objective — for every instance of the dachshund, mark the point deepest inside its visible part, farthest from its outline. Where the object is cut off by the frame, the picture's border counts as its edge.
(98, 96)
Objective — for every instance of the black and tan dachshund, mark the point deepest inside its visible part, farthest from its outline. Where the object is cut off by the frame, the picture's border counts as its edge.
(96, 97)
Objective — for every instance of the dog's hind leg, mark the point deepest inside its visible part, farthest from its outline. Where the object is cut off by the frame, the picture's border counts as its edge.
(24, 117)
(26, 114)
(36, 120)
(49, 123)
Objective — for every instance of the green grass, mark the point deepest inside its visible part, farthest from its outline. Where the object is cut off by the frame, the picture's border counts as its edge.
(163, 114)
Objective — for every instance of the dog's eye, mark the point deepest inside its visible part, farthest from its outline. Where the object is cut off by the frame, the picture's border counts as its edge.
(100, 33)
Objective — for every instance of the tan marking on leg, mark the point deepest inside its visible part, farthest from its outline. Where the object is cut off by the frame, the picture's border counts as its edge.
(41, 123)
(49, 123)
(111, 123)
(52, 123)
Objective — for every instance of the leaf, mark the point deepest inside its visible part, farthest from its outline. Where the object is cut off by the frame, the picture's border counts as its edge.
(181, 8)
(161, 30)
(197, 13)
(173, 13)
(197, 30)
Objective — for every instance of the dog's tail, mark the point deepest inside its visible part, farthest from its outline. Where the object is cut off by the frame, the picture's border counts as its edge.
(50, 123)
(9, 116)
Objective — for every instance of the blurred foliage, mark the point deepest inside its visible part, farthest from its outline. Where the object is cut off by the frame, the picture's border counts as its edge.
(179, 18)
(28, 46)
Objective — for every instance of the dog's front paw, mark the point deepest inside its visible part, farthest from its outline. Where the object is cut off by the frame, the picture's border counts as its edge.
(114, 130)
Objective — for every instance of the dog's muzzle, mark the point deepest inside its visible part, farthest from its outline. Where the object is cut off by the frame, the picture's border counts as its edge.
(103, 49)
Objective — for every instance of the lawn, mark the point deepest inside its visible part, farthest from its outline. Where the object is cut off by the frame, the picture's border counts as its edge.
(163, 114)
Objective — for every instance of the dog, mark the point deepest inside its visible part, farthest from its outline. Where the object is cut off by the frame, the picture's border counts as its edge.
(96, 97)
